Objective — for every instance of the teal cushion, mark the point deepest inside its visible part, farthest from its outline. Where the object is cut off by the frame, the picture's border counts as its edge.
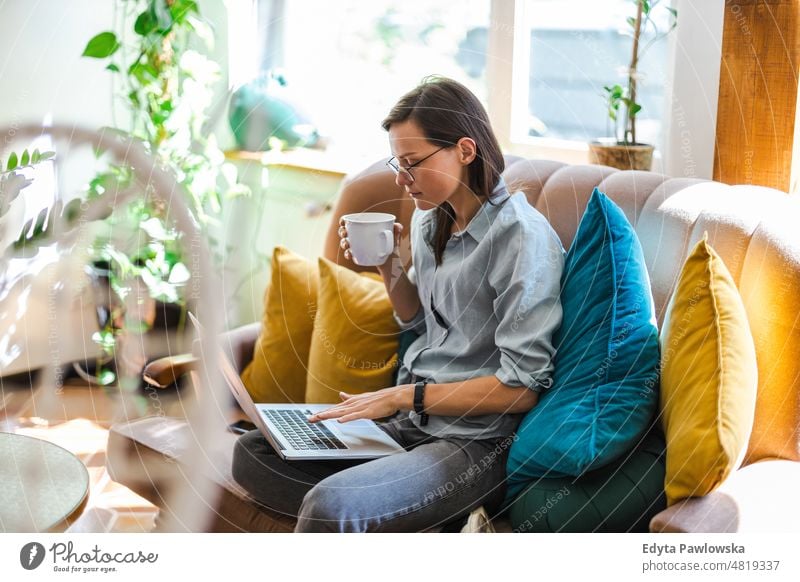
(405, 340)
(621, 497)
(605, 382)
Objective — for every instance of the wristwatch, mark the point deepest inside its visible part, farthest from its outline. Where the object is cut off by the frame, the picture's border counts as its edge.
(419, 401)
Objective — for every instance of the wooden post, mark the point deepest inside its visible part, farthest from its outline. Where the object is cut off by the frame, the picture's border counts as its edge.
(758, 94)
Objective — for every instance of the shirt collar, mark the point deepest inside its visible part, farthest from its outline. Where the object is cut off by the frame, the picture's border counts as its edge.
(480, 223)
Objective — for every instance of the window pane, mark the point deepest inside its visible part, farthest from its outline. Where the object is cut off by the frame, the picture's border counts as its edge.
(575, 51)
(349, 61)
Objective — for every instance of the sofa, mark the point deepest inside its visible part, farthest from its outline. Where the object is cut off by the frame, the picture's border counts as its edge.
(755, 230)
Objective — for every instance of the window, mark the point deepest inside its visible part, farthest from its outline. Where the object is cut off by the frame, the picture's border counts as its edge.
(347, 62)
(538, 65)
(575, 52)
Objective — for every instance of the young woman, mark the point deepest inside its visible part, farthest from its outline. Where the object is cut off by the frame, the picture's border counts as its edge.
(484, 295)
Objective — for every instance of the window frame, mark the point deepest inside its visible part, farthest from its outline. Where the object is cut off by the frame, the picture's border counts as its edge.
(694, 56)
(508, 64)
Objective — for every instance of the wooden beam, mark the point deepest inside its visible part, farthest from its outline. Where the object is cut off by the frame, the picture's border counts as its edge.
(758, 93)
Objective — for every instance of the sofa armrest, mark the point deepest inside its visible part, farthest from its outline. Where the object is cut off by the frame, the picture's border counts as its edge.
(761, 497)
(238, 344)
(166, 371)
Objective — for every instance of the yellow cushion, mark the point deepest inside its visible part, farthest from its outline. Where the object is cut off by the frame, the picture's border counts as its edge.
(277, 372)
(354, 345)
(709, 377)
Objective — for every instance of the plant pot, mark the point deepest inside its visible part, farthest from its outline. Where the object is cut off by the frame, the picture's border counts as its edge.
(107, 305)
(622, 156)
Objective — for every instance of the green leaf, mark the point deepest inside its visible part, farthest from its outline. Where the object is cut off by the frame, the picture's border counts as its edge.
(38, 227)
(12, 161)
(46, 156)
(172, 257)
(106, 377)
(25, 159)
(112, 67)
(35, 156)
(143, 72)
(133, 96)
(26, 228)
(159, 117)
(181, 8)
(102, 46)
(104, 339)
(631, 21)
(145, 23)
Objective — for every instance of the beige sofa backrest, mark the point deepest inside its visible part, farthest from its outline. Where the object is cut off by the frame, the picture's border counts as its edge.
(755, 230)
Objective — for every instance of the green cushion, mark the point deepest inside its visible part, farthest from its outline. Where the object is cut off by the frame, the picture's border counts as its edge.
(620, 497)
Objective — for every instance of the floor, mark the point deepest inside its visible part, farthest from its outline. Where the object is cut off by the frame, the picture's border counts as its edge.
(77, 418)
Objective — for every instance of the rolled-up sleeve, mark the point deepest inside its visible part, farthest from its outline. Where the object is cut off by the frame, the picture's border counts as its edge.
(417, 323)
(528, 306)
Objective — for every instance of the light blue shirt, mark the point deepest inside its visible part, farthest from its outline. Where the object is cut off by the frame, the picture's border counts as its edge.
(497, 291)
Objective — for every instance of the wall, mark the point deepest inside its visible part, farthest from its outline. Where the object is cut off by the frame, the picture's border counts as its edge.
(41, 70)
(43, 75)
(693, 88)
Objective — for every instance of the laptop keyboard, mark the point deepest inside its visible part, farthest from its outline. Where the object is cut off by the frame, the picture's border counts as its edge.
(301, 434)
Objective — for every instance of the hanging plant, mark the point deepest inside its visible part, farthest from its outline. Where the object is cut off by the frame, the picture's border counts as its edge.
(167, 88)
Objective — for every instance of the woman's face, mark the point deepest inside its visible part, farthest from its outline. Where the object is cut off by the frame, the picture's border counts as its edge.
(439, 177)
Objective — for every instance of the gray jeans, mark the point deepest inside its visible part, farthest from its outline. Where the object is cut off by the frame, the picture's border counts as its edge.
(433, 482)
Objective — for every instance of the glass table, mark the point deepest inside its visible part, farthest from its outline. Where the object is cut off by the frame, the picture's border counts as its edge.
(43, 487)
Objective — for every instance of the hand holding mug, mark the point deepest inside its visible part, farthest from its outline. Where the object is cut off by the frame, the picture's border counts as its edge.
(369, 238)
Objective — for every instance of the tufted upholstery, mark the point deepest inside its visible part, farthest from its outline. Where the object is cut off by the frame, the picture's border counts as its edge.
(755, 230)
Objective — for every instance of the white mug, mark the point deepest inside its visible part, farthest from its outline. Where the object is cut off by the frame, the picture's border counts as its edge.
(371, 237)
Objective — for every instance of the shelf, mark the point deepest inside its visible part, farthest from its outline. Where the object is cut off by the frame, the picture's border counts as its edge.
(305, 159)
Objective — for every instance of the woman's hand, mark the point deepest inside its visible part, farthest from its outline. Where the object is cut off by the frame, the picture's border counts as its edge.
(345, 243)
(370, 405)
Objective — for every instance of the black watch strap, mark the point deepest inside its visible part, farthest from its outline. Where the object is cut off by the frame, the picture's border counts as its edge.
(419, 401)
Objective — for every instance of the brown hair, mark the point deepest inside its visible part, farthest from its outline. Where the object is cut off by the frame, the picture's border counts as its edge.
(446, 111)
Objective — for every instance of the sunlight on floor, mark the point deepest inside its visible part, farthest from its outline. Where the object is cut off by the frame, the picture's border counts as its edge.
(80, 425)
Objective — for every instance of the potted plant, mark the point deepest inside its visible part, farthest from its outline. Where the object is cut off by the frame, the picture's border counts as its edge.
(168, 88)
(623, 151)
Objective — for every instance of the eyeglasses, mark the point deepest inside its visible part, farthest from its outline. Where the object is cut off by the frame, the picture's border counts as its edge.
(405, 171)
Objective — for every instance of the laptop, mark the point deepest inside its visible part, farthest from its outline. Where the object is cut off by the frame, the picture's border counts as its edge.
(286, 428)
